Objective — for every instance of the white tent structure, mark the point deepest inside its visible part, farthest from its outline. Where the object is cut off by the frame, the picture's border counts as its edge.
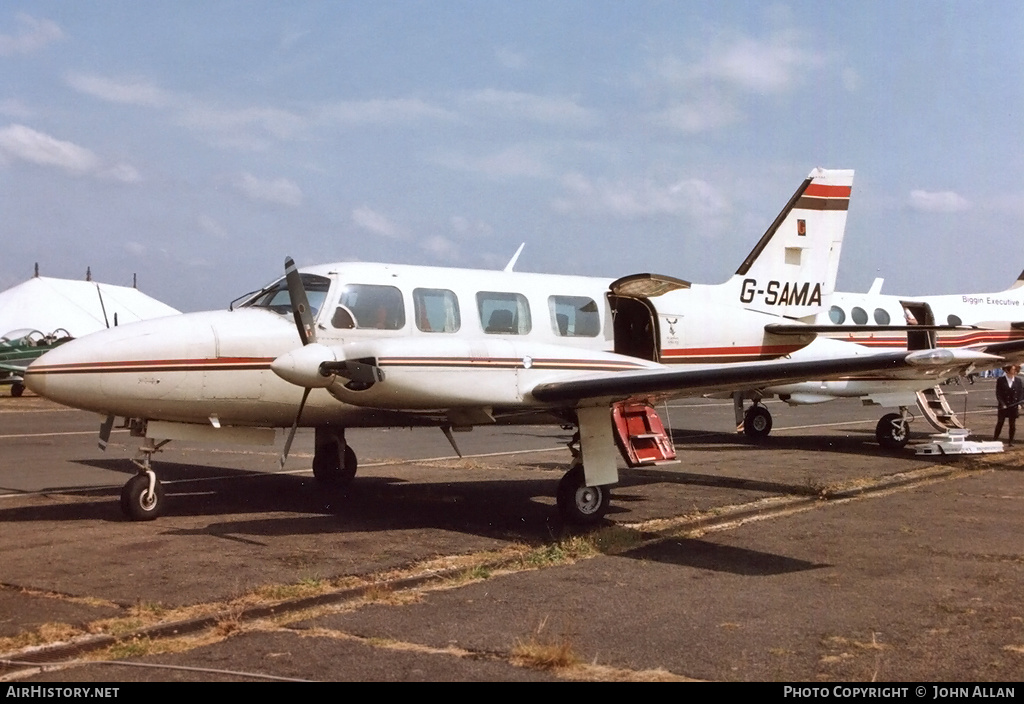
(80, 307)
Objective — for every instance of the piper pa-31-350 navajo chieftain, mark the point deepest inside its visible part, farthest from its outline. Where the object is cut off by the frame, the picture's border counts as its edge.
(358, 345)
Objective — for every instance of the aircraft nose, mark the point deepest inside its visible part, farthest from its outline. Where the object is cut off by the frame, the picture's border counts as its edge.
(110, 371)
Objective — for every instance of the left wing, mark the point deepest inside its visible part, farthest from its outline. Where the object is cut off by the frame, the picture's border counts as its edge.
(656, 384)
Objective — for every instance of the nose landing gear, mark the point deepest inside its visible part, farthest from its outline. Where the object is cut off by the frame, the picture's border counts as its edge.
(142, 497)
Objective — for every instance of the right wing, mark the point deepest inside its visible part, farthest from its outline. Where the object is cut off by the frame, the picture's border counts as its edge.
(658, 384)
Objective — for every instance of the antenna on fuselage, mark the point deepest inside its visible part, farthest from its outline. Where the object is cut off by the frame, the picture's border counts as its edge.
(515, 258)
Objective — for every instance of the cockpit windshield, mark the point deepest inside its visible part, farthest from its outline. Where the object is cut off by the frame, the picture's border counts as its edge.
(275, 297)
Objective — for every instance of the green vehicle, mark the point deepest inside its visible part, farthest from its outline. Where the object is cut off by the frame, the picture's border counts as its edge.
(19, 348)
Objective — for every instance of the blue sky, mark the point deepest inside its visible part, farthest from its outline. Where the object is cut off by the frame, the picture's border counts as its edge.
(199, 143)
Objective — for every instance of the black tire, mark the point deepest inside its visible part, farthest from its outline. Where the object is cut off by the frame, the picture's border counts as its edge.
(580, 504)
(892, 431)
(136, 501)
(757, 422)
(17, 389)
(328, 470)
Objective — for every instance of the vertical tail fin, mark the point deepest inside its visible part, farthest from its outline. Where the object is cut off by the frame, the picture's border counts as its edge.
(793, 268)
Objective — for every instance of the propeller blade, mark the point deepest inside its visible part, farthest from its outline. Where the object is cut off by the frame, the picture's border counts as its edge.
(300, 303)
(295, 425)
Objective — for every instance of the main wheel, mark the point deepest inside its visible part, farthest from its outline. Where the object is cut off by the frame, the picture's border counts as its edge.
(329, 471)
(757, 422)
(138, 502)
(892, 431)
(581, 504)
(17, 389)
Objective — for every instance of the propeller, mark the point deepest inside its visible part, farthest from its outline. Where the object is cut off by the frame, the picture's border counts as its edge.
(313, 365)
(300, 303)
(307, 334)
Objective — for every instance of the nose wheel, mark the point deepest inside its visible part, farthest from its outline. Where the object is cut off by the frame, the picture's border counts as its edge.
(142, 496)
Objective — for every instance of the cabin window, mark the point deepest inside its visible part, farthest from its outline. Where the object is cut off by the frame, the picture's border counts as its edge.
(503, 313)
(369, 306)
(275, 297)
(859, 315)
(437, 310)
(574, 316)
(837, 315)
(954, 320)
(881, 316)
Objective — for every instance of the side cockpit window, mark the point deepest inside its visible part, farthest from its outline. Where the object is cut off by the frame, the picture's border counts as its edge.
(275, 297)
(574, 316)
(369, 306)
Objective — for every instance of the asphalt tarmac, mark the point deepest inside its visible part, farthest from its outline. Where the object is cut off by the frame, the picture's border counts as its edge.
(813, 556)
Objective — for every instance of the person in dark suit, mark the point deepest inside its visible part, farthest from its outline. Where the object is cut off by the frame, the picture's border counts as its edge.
(1009, 395)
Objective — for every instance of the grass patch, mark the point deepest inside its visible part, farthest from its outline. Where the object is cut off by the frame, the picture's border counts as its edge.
(132, 648)
(47, 633)
(543, 651)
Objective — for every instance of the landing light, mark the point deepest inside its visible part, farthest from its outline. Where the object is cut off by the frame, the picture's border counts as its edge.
(927, 358)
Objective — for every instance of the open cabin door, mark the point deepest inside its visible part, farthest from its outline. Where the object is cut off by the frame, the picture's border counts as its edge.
(640, 434)
(635, 320)
(919, 313)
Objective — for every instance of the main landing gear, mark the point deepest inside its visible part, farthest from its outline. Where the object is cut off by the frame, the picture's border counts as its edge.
(334, 462)
(757, 422)
(578, 503)
(893, 430)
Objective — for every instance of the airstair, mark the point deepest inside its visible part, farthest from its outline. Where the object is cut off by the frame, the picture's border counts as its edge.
(641, 436)
(934, 404)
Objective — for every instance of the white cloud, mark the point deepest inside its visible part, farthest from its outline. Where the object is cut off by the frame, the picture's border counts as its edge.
(280, 191)
(938, 201)
(132, 91)
(383, 111)
(125, 173)
(372, 221)
(464, 227)
(34, 35)
(16, 109)
(518, 161)
(689, 197)
(510, 58)
(772, 65)
(698, 117)
(24, 143)
(281, 124)
(708, 91)
(441, 248)
(211, 227)
(528, 106)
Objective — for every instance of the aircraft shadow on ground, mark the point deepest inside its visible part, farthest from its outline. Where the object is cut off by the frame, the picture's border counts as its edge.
(490, 507)
(257, 510)
(701, 554)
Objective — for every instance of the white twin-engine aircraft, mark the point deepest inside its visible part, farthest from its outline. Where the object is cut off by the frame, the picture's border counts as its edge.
(369, 345)
(985, 322)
